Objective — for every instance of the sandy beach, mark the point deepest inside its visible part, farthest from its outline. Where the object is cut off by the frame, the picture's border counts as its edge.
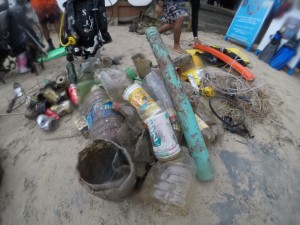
(256, 182)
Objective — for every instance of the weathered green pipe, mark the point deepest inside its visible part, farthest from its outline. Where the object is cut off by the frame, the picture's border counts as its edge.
(183, 107)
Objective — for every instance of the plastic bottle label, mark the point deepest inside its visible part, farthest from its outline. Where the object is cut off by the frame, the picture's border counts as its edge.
(156, 140)
(162, 135)
(99, 111)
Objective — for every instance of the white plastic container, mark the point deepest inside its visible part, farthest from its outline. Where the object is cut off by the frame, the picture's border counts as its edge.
(163, 138)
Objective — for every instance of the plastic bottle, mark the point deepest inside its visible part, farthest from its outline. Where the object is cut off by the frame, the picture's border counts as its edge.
(114, 82)
(96, 93)
(132, 73)
(131, 116)
(104, 122)
(168, 185)
(154, 86)
(84, 88)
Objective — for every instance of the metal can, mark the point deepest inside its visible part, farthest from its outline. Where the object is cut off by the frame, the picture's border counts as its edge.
(82, 126)
(63, 108)
(41, 107)
(72, 91)
(47, 123)
(61, 80)
(51, 95)
(51, 113)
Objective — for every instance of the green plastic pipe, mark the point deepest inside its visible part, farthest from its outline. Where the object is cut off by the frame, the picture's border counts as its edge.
(186, 117)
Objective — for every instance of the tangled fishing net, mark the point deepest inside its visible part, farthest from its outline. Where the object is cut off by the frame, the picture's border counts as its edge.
(253, 99)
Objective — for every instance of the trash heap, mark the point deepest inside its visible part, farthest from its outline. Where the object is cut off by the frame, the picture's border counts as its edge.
(133, 131)
(144, 123)
(137, 138)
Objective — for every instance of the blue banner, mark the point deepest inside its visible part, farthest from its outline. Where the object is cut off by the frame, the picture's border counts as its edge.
(248, 21)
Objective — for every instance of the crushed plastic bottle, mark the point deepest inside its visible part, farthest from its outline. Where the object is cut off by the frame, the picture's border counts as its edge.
(168, 185)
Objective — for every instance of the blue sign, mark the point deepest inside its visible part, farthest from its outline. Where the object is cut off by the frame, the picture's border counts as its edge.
(248, 21)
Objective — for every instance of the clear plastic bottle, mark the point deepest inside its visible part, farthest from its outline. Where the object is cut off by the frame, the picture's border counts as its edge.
(114, 82)
(97, 93)
(131, 117)
(168, 185)
(154, 85)
(104, 121)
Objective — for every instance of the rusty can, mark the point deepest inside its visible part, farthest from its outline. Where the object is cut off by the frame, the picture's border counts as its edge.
(72, 91)
(82, 126)
(63, 108)
(40, 97)
(51, 113)
(61, 80)
(51, 96)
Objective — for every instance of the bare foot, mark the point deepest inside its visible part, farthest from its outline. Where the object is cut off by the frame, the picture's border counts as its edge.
(197, 41)
(178, 49)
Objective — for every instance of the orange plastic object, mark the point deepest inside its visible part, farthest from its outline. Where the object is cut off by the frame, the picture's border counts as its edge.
(247, 74)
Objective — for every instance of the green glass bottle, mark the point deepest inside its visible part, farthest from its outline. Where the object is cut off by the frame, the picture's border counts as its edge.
(72, 73)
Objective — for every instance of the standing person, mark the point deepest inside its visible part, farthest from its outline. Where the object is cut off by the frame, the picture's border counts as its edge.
(174, 16)
(47, 11)
(195, 18)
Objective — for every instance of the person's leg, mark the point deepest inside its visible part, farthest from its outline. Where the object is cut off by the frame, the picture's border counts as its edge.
(57, 26)
(46, 34)
(166, 27)
(177, 34)
(45, 30)
(195, 19)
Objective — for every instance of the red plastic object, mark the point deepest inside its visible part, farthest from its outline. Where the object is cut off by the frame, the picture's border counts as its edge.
(247, 74)
(51, 113)
(72, 91)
